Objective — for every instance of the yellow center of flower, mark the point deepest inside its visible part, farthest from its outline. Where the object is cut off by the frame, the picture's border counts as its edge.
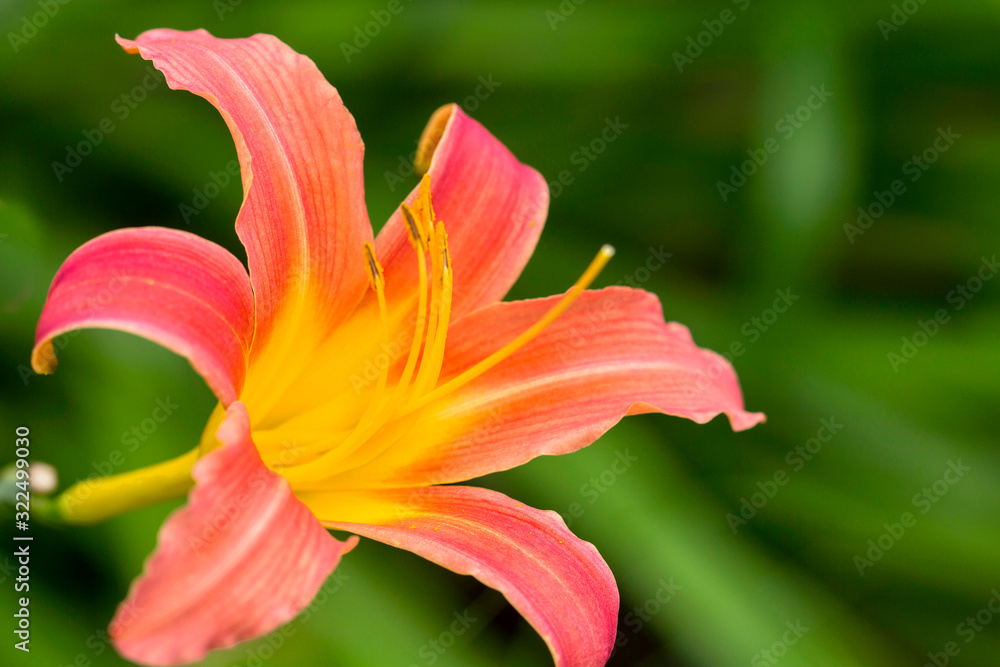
(311, 459)
(313, 416)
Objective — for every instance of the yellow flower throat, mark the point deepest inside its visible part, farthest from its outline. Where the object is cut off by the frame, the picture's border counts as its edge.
(307, 425)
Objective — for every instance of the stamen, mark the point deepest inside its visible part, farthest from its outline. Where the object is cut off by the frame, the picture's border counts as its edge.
(389, 415)
(374, 268)
(416, 238)
(377, 279)
(378, 411)
(424, 210)
(574, 292)
(349, 455)
(441, 298)
(403, 385)
(346, 460)
(424, 196)
(436, 358)
(418, 334)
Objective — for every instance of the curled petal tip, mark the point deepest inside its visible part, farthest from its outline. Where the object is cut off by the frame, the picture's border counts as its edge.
(431, 137)
(127, 44)
(300, 155)
(43, 358)
(172, 287)
(743, 421)
(349, 544)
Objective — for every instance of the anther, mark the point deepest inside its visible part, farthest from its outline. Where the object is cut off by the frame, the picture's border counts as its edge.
(441, 236)
(374, 269)
(572, 294)
(411, 227)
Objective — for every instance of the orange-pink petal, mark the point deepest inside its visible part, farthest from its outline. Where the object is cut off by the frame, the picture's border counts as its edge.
(303, 219)
(243, 557)
(558, 582)
(177, 289)
(610, 355)
(492, 206)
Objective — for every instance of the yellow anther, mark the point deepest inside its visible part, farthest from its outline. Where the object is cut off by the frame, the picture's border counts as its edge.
(424, 196)
(443, 247)
(391, 411)
(375, 274)
(378, 284)
(416, 238)
(441, 238)
(398, 420)
(571, 295)
(430, 365)
(423, 210)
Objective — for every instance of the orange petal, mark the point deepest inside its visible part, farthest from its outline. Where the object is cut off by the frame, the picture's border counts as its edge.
(610, 355)
(177, 289)
(303, 219)
(493, 207)
(241, 559)
(558, 582)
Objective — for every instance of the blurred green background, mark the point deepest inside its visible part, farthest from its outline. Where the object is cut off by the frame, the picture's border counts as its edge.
(559, 73)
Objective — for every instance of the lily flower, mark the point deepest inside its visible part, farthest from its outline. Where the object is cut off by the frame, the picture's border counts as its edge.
(360, 378)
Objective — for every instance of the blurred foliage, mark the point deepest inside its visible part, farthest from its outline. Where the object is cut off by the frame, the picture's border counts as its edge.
(665, 519)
